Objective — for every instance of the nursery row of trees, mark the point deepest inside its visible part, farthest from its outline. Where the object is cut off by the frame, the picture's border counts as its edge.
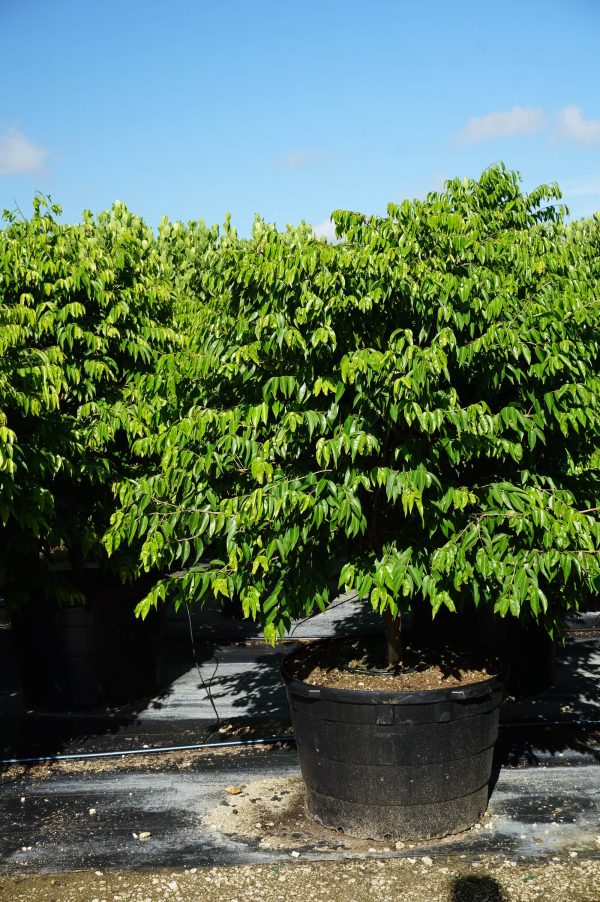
(412, 412)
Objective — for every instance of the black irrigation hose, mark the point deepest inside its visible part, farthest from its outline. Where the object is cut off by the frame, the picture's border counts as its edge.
(207, 688)
(530, 724)
(271, 740)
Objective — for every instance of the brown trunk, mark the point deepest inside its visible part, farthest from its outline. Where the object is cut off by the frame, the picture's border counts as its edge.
(393, 638)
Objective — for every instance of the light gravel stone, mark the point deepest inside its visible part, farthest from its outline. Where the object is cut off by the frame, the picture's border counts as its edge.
(351, 880)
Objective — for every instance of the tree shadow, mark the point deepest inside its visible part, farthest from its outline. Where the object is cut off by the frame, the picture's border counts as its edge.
(254, 692)
(224, 622)
(347, 616)
(245, 684)
(28, 731)
(476, 888)
(556, 726)
(250, 697)
(248, 681)
(561, 719)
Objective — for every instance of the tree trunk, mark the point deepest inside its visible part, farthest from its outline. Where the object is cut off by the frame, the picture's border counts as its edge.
(393, 638)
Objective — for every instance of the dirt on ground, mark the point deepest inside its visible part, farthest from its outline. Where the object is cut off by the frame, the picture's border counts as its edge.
(415, 879)
(273, 811)
(176, 760)
(358, 664)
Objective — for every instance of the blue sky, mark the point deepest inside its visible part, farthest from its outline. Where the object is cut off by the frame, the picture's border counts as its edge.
(192, 109)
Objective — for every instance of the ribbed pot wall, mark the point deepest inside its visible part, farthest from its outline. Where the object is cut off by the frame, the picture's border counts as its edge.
(78, 658)
(401, 765)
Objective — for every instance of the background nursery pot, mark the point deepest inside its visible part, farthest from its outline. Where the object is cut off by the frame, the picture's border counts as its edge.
(85, 313)
(528, 649)
(87, 656)
(400, 765)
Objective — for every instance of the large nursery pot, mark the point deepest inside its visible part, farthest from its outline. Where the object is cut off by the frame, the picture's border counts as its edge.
(395, 765)
(79, 657)
(527, 647)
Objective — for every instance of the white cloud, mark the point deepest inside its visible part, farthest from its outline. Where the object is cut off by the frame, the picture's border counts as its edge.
(326, 230)
(586, 186)
(573, 127)
(19, 154)
(295, 158)
(304, 156)
(517, 121)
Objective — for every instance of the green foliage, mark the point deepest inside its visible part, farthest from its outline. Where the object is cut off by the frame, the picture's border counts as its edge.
(84, 311)
(413, 414)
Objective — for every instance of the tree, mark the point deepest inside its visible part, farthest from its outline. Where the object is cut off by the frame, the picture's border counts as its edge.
(413, 413)
(83, 309)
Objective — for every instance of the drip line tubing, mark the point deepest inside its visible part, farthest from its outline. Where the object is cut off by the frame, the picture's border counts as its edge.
(530, 724)
(269, 740)
(230, 743)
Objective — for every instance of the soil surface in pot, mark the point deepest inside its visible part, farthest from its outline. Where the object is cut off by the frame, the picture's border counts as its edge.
(359, 663)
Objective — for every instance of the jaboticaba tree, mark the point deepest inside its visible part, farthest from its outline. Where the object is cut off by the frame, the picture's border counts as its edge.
(85, 312)
(412, 413)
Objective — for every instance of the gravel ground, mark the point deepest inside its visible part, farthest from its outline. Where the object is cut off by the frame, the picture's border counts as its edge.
(565, 879)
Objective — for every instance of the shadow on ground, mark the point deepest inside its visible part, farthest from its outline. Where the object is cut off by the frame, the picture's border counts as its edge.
(29, 732)
(241, 676)
(476, 889)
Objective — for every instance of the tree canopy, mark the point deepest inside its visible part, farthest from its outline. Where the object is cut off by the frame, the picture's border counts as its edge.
(412, 413)
(84, 310)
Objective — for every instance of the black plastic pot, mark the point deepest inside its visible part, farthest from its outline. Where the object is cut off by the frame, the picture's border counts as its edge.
(528, 650)
(85, 657)
(395, 765)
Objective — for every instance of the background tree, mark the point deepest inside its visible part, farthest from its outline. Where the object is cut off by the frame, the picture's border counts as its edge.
(83, 310)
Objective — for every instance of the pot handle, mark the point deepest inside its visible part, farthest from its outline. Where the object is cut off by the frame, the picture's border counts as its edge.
(305, 691)
(462, 695)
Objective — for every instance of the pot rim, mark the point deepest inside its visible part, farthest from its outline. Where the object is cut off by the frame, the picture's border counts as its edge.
(468, 692)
